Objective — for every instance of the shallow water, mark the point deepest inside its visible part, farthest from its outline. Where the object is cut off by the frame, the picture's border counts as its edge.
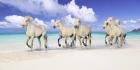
(14, 38)
(17, 40)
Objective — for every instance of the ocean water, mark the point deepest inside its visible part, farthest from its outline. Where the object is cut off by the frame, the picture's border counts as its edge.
(10, 41)
(20, 37)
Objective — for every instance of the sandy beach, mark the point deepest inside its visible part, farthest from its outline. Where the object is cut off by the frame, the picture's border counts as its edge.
(98, 57)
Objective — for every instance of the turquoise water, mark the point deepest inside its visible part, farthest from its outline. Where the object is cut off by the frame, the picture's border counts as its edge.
(10, 38)
(133, 35)
(17, 41)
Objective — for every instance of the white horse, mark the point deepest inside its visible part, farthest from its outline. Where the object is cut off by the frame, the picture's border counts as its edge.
(114, 33)
(65, 32)
(109, 20)
(83, 32)
(34, 31)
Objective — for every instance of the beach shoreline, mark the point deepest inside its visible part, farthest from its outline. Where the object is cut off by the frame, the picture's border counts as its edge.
(98, 57)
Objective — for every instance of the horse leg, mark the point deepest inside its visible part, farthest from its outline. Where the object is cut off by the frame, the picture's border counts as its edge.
(59, 41)
(89, 39)
(32, 40)
(39, 41)
(117, 41)
(73, 41)
(124, 36)
(122, 41)
(106, 38)
(66, 42)
(110, 41)
(45, 41)
(113, 41)
(28, 41)
(79, 38)
(84, 40)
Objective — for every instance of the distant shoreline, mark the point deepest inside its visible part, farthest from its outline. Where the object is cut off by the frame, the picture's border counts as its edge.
(136, 30)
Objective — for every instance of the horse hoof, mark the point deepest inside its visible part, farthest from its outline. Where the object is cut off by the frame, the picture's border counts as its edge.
(46, 47)
(71, 45)
(59, 45)
(105, 42)
(85, 44)
(29, 47)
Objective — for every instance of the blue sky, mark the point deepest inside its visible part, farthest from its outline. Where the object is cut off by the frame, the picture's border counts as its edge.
(118, 8)
(127, 11)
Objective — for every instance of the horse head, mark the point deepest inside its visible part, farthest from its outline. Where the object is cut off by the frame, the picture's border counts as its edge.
(77, 23)
(57, 24)
(26, 21)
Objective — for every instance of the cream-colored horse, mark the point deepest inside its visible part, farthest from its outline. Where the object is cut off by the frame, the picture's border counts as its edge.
(64, 32)
(83, 32)
(34, 31)
(114, 32)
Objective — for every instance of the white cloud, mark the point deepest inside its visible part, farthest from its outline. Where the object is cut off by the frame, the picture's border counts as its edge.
(131, 24)
(125, 21)
(37, 7)
(14, 19)
(48, 8)
(29, 6)
(53, 8)
(4, 24)
(52, 21)
(130, 21)
(68, 20)
(40, 22)
(133, 21)
(84, 13)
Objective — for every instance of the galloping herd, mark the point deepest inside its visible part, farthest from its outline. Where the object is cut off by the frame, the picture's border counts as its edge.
(115, 34)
